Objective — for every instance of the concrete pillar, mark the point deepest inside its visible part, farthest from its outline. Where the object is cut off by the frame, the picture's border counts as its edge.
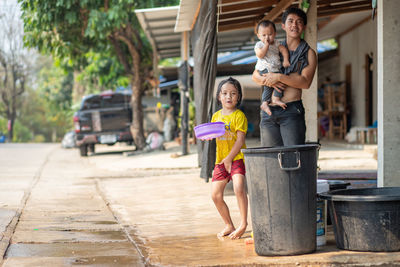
(310, 96)
(388, 93)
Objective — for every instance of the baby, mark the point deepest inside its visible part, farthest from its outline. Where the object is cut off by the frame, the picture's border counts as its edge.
(267, 51)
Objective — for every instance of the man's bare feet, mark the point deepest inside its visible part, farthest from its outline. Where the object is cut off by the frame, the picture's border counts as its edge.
(279, 103)
(238, 232)
(264, 106)
(226, 231)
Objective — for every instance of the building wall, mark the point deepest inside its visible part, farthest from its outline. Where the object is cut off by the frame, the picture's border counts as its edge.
(328, 68)
(353, 48)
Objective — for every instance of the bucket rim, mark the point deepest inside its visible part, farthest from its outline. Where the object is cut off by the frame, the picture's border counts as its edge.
(261, 150)
(336, 195)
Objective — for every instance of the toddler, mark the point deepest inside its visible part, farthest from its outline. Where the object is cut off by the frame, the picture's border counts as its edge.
(267, 51)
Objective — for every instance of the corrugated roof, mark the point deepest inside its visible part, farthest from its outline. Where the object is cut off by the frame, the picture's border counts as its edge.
(236, 20)
(159, 24)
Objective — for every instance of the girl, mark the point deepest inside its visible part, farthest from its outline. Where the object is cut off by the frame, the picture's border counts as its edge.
(229, 163)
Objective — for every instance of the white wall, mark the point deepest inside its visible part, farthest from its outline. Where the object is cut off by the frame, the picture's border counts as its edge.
(352, 50)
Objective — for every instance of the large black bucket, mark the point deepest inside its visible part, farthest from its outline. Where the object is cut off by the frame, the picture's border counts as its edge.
(366, 219)
(282, 191)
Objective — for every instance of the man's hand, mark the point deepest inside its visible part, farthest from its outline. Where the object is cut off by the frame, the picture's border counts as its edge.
(272, 80)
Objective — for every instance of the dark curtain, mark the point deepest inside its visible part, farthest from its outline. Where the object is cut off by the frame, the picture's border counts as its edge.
(204, 47)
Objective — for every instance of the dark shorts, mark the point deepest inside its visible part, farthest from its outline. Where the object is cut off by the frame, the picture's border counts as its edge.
(221, 174)
(285, 127)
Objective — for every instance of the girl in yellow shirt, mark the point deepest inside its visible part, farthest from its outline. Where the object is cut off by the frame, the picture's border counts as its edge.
(229, 163)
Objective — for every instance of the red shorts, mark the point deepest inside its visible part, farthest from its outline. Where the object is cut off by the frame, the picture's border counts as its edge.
(220, 172)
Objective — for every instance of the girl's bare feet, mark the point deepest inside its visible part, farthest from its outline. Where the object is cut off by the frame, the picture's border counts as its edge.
(238, 232)
(226, 231)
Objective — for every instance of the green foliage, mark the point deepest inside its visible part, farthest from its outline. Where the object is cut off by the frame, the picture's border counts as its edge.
(39, 138)
(102, 72)
(170, 62)
(3, 125)
(47, 110)
(71, 29)
(90, 37)
(330, 44)
(21, 133)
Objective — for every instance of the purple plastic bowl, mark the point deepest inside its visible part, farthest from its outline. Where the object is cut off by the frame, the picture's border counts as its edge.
(209, 130)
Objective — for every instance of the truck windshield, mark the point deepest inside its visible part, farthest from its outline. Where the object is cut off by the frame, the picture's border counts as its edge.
(106, 101)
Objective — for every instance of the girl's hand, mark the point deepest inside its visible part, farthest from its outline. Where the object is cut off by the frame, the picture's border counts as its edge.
(227, 165)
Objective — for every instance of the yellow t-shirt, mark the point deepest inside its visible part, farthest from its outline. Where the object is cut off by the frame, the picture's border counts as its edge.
(236, 121)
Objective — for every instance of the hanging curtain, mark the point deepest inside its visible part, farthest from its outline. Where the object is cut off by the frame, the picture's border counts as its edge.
(204, 47)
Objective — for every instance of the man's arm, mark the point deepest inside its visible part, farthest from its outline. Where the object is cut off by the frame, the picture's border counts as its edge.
(258, 78)
(262, 80)
(295, 80)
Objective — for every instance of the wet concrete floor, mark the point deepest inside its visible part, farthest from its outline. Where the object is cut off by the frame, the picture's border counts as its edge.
(79, 212)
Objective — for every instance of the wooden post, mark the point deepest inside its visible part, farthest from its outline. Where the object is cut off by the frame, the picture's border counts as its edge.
(310, 96)
(184, 87)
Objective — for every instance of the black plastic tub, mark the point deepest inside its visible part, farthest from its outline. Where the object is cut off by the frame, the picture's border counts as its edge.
(335, 185)
(366, 219)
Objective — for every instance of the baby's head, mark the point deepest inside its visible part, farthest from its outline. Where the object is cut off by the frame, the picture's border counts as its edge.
(266, 29)
(227, 85)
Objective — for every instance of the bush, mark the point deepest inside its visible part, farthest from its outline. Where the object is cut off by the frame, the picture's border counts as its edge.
(21, 133)
(39, 138)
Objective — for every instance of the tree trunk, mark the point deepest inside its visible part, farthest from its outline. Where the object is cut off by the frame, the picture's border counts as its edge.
(137, 114)
(78, 90)
(10, 127)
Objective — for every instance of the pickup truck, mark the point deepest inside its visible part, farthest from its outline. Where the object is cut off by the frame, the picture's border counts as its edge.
(103, 119)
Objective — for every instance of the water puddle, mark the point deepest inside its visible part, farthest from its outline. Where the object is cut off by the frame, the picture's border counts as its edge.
(83, 249)
(202, 250)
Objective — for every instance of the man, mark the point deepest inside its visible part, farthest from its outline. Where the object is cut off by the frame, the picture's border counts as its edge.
(286, 126)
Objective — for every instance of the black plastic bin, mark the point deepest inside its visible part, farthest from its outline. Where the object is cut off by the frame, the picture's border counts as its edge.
(282, 191)
(366, 219)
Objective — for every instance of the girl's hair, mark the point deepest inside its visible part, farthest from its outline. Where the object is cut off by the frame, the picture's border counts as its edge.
(264, 23)
(235, 83)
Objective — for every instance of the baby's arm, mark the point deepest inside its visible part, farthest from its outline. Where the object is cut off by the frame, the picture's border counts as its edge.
(285, 54)
(261, 52)
(227, 161)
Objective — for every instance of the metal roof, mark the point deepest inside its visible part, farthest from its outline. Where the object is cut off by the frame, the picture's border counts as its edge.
(159, 24)
(236, 20)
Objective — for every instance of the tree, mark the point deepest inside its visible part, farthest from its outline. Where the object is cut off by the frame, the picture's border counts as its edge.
(13, 65)
(71, 28)
(102, 72)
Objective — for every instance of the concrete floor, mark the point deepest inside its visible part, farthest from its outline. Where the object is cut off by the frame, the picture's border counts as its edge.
(140, 210)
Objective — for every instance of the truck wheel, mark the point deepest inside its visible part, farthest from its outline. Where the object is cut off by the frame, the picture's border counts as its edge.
(83, 150)
(91, 148)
